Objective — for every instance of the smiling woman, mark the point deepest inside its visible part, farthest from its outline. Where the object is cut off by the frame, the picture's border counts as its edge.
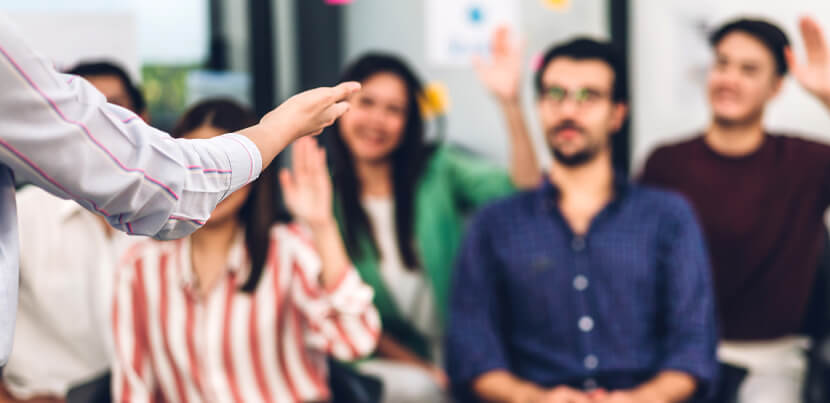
(400, 202)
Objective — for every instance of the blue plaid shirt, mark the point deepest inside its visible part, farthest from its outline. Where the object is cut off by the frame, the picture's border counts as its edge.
(609, 309)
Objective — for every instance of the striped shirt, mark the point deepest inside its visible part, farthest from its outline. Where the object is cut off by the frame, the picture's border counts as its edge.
(228, 346)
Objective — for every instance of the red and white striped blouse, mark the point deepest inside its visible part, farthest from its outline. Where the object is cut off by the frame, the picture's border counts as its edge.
(269, 346)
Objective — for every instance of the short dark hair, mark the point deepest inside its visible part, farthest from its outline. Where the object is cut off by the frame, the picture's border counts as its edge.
(264, 206)
(768, 33)
(105, 68)
(589, 49)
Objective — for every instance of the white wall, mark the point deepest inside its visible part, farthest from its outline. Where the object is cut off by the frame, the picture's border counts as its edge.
(84, 35)
(670, 57)
(131, 32)
(285, 48)
(236, 33)
(474, 118)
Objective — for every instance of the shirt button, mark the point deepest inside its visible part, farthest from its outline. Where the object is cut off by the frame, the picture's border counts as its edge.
(580, 282)
(578, 244)
(590, 384)
(591, 362)
(586, 324)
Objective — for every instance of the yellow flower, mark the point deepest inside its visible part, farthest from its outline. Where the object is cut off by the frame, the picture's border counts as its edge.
(557, 5)
(435, 100)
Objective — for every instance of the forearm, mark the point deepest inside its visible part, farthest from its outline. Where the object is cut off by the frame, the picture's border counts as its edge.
(500, 386)
(524, 166)
(668, 387)
(329, 245)
(389, 348)
(267, 141)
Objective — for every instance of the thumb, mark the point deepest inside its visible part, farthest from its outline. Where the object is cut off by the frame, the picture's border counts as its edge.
(792, 64)
(287, 183)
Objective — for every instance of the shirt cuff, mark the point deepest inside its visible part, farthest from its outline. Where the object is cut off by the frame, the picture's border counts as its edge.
(704, 374)
(349, 294)
(244, 158)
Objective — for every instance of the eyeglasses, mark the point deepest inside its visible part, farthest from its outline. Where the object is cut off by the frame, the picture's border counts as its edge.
(582, 97)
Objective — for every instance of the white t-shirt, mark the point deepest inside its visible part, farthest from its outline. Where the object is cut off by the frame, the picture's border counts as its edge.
(410, 289)
(67, 264)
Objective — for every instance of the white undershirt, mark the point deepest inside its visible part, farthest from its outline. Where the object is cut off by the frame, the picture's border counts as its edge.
(67, 262)
(410, 289)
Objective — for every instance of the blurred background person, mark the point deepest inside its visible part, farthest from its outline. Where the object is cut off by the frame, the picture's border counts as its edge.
(761, 197)
(249, 306)
(68, 257)
(401, 202)
(586, 289)
(115, 84)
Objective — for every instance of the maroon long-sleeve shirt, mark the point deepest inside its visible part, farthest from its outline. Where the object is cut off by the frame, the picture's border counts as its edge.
(763, 217)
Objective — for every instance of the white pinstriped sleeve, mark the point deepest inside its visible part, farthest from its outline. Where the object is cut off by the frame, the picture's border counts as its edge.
(59, 133)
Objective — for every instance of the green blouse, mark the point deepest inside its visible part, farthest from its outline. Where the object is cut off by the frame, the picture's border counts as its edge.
(452, 185)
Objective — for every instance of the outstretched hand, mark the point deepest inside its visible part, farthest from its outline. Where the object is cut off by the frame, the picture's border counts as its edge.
(306, 113)
(311, 111)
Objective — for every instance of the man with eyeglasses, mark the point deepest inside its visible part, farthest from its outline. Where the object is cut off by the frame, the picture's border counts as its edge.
(589, 288)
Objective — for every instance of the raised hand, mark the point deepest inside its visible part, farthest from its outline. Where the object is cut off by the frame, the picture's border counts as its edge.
(307, 189)
(502, 75)
(814, 75)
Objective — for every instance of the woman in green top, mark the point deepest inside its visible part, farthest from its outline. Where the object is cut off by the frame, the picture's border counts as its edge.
(401, 203)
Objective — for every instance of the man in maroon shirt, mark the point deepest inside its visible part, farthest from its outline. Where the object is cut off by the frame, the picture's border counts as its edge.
(761, 199)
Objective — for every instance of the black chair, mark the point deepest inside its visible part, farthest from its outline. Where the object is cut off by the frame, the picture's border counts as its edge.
(94, 391)
(817, 326)
(349, 386)
(346, 385)
(729, 383)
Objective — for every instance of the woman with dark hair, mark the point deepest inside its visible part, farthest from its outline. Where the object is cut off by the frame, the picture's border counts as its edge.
(249, 306)
(401, 202)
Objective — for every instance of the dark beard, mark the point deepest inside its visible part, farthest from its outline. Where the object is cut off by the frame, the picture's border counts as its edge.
(580, 158)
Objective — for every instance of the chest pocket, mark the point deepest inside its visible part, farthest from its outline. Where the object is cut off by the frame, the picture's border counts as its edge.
(532, 290)
(625, 267)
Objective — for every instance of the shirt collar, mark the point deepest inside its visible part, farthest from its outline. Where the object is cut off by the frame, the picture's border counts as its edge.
(548, 193)
(238, 263)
